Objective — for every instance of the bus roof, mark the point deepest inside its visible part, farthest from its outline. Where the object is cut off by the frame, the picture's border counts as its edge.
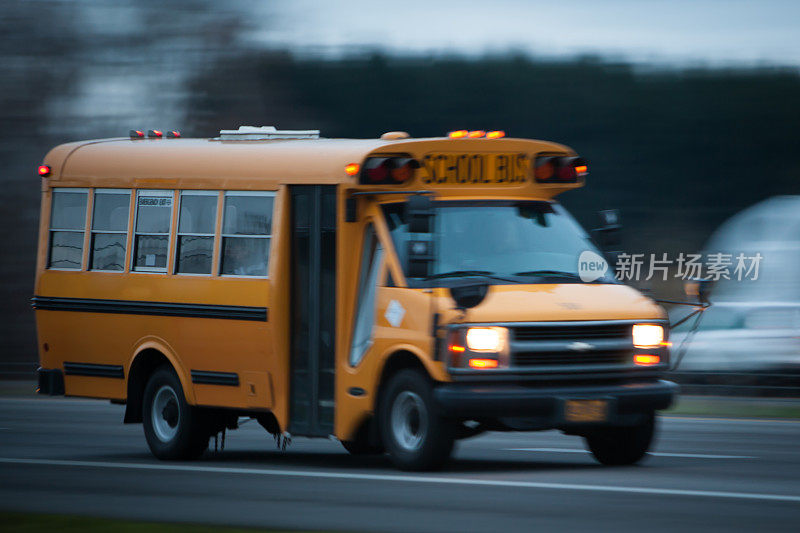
(247, 164)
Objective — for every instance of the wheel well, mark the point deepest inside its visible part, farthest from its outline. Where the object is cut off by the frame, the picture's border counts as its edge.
(143, 365)
(399, 361)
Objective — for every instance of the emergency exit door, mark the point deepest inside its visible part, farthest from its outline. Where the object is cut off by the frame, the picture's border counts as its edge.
(313, 309)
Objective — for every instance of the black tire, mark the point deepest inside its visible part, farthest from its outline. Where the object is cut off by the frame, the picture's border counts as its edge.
(622, 445)
(407, 410)
(358, 447)
(362, 444)
(179, 430)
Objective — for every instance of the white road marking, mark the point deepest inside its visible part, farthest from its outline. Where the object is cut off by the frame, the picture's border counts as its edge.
(656, 454)
(410, 479)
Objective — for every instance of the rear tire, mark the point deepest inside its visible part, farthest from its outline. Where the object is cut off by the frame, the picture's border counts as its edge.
(622, 445)
(173, 428)
(413, 433)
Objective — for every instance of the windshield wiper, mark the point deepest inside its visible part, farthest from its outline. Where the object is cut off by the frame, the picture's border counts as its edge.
(554, 274)
(467, 273)
(548, 274)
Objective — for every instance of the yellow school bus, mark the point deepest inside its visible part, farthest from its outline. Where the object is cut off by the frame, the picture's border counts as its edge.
(396, 294)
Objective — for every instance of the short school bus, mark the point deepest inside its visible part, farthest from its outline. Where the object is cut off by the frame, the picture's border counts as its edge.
(397, 294)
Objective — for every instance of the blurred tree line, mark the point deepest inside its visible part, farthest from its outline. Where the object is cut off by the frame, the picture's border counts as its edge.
(678, 151)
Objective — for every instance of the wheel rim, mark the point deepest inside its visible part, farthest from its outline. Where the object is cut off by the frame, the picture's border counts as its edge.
(409, 420)
(166, 414)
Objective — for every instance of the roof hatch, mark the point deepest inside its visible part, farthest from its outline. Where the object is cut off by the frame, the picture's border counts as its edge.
(260, 133)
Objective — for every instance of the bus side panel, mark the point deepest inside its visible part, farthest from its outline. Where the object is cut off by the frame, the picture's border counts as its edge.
(221, 350)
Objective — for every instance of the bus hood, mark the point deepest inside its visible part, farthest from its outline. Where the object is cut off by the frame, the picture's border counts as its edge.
(559, 302)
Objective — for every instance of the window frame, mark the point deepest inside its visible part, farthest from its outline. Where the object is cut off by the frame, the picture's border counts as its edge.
(223, 235)
(51, 229)
(133, 249)
(215, 235)
(92, 231)
(375, 271)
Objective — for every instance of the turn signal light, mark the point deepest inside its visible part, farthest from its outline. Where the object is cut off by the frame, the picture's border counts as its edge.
(483, 363)
(44, 171)
(643, 359)
(352, 169)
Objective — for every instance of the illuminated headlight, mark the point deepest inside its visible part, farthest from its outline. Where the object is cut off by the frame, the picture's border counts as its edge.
(487, 339)
(647, 335)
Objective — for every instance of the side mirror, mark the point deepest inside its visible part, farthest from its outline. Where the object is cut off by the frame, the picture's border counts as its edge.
(420, 258)
(469, 295)
(608, 234)
(699, 288)
(419, 215)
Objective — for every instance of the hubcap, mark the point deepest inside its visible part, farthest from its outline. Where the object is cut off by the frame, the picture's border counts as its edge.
(409, 420)
(166, 414)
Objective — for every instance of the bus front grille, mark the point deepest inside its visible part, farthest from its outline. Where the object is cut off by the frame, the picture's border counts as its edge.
(600, 357)
(583, 332)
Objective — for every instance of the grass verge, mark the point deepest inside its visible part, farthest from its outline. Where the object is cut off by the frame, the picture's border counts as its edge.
(735, 407)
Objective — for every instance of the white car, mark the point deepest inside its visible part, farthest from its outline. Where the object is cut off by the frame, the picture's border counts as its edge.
(753, 324)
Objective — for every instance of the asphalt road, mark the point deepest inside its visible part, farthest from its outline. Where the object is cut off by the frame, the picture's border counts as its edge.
(75, 456)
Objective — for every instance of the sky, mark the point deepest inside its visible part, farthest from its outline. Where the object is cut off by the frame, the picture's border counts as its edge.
(711, 32)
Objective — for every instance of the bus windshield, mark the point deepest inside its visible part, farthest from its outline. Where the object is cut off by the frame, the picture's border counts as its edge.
(501, 240)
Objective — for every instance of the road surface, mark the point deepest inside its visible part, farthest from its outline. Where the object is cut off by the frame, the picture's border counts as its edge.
(75, 456)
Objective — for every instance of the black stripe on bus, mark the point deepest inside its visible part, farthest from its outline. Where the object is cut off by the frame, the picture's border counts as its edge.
(131, 307)
(94, 370)
(206, 377)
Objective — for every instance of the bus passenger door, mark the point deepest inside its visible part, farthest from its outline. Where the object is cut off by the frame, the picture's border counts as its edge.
(313, 309)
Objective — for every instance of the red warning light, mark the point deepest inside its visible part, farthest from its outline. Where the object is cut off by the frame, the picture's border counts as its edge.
(44, 171)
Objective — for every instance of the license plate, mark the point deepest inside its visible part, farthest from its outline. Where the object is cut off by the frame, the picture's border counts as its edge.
(475, 169)
(586, 410)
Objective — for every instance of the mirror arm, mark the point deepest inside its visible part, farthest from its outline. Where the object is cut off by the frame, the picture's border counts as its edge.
(699, 309)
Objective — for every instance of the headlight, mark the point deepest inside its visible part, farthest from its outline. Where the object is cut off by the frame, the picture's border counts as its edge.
(487, 339)
(647, 335)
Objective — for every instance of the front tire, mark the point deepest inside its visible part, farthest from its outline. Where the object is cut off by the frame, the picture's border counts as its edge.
(173, 428)
(622, 445)
(414, 435)
(362, 444)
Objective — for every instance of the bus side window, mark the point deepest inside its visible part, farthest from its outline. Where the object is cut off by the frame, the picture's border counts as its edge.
(109, 229)
(196, 227)
(246, 233)
(67, 225)
(371, 261)
(151, 236)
